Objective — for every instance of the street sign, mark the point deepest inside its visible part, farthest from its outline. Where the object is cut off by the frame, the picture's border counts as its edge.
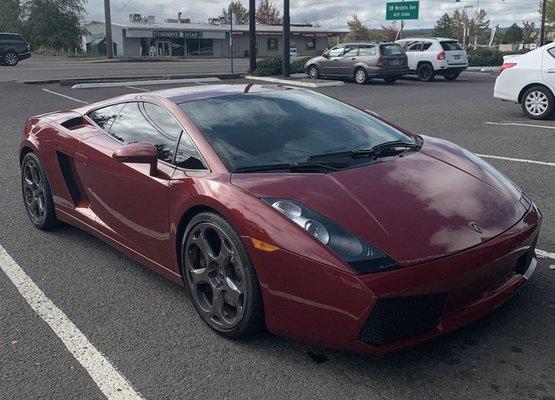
(402, 10)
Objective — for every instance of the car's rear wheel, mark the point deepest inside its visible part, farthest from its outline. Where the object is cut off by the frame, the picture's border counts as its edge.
(361, 76)
(451, 77)
(425, 72)
(220, 277)
(390, 79)
(313, 72)
(37, 196)
(10, 59)
(538, 102)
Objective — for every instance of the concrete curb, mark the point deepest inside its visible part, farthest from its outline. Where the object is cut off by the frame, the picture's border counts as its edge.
(75, 81)
(483, 69)
(315, 84)
(94, 85)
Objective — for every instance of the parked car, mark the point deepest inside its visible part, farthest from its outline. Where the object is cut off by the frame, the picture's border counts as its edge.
(428, 57)
(529, 79)
(13, 49)
(205, 51)
(286, 209)
(361, 62)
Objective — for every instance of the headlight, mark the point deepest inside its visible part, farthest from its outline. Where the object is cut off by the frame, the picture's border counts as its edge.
(363, 257)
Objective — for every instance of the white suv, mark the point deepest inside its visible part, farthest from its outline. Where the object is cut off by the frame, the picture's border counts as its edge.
(429, 57)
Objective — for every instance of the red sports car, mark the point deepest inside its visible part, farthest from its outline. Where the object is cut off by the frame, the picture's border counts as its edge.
(287, 209)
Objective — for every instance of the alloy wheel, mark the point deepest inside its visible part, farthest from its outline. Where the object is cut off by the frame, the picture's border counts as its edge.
(33, 191)
(10, 59)
(216, 276)
(313, 72)
(360, 76)
(536, 103)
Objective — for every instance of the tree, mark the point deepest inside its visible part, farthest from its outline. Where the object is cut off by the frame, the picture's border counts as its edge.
(240, 12)
(54, 23)
(268, 14)
(358, 31)
(444, 26)
(10, 16)
(549, 12)
(529, 34)
(513, 34)
(389, 32)
(479, 26)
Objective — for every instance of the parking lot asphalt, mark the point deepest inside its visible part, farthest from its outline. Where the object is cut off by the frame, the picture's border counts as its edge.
(149, 331)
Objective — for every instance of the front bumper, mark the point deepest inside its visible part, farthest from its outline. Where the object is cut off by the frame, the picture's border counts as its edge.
(308, 301)
(23, 56)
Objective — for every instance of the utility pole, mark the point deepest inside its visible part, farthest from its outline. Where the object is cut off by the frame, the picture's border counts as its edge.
(108, 21)
(231, 38)
(286, 39)
(252, 34)
(542, 29)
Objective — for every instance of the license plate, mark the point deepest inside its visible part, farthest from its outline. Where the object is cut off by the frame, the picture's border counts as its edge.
(395, 62)
(457, 57)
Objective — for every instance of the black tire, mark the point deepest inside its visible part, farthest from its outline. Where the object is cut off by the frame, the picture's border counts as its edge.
(390, 79)
(313, 72)
(452, 77)
(360, 76)
(37, 196)
(226, 278)
(425, 72)
(538, 102)
(10, 59)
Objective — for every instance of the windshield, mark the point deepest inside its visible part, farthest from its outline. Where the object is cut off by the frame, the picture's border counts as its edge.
(451, 45)
(392, 49)
(284, 126)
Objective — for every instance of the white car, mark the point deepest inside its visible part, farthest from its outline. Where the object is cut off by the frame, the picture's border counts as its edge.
(529, 79)
(429, 57)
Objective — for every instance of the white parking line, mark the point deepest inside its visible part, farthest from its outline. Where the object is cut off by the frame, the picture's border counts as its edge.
(520, 124)
(138, 88)
(114, 385)
(67, 97)
(522, 160)
(545, 254)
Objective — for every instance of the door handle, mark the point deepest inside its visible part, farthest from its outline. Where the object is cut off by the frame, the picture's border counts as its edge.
(353, 58)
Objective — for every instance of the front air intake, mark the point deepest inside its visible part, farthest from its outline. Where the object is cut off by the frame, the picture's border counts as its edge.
(398, 318)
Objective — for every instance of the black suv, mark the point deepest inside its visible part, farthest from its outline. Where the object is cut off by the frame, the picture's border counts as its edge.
(13, 48)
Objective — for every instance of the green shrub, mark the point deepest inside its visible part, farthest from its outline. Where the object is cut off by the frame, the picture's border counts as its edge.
(485, 58)
(273, 66)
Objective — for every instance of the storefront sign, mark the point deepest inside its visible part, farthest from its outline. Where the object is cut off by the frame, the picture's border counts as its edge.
(177, 34)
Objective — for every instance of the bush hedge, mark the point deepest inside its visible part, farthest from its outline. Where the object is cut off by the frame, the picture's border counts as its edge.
(269, 66)
(485, 58)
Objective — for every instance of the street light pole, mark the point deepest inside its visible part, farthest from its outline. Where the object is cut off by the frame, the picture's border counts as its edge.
(252, 34)
(108, 21)
(286, 39)
(231, 38)
(542, 29)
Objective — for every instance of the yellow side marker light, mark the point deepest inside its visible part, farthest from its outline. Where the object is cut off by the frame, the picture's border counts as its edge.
(259, 244)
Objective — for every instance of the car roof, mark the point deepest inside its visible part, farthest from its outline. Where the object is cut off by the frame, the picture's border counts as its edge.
(441, 39)
(358, 43)
(187, 94)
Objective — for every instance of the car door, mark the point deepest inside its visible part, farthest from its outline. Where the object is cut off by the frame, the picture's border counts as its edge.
(368, 55)
(347, 60)
(413, 50)
(330, 63)
(548, 66)
(130, 204)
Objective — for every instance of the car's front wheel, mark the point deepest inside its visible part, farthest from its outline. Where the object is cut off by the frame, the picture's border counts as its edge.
(425, 72)
(313, 72)
(37, 196)
(221, 278)
(361, 76)
(10, 59)
(538, 102)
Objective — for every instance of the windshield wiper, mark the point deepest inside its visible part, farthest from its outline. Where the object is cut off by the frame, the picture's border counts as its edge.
(374, 151)
(294, 167)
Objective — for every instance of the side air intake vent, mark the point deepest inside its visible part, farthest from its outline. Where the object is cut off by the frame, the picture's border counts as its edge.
(67, 168)
(398, 318)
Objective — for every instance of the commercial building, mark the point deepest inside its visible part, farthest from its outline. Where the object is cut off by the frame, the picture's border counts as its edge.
(144, 37)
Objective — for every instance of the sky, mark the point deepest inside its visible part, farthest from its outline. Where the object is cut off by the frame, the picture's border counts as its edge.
(329, 13)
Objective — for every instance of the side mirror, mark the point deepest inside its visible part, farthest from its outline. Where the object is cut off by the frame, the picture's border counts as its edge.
(142, 153)
(326, 54)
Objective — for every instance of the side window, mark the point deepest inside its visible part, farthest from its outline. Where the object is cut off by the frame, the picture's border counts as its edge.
(351, 52)
(105, 117)
(413, 46)
(552, 52)
(367, 51)
(336, 51)
(426, 46)
(147, 123)
(187, 155)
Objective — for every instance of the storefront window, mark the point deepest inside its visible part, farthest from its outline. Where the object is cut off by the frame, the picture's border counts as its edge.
(200, 47)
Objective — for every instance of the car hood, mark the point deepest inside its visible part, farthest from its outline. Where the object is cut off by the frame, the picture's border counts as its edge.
(414, 208)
